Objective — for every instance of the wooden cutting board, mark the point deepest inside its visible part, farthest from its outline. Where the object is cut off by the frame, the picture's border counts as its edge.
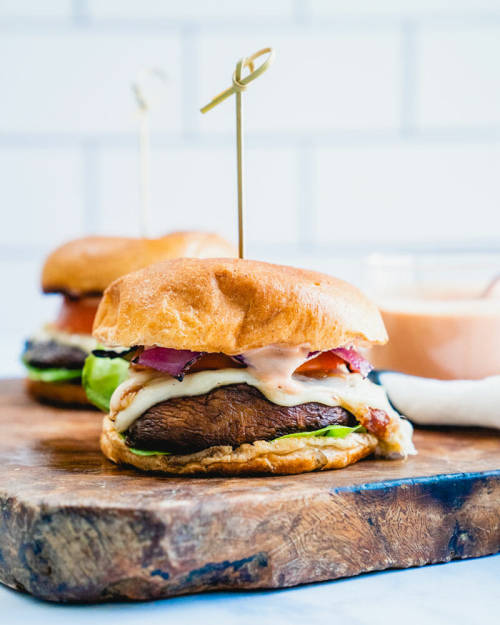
(74, 527)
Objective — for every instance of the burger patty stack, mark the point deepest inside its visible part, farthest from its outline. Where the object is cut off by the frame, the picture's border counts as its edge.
(80, 271)
(243, 367)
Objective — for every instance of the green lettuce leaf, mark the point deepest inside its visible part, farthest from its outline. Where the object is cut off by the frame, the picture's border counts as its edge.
(101, 376)
(145, 452)
(337, 431)
(52, 374)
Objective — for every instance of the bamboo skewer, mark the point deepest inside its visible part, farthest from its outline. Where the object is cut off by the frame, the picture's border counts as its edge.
(143, 108)
(239, 84)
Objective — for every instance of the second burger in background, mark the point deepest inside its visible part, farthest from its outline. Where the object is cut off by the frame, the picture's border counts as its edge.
(80, 271)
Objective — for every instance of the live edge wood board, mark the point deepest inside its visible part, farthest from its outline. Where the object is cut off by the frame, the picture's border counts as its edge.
(74, 527)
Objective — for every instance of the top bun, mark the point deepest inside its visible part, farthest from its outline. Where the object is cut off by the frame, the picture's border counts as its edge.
(234, 305)
(85, 267)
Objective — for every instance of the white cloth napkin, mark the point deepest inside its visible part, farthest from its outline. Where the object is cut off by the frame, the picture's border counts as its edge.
(444, 402)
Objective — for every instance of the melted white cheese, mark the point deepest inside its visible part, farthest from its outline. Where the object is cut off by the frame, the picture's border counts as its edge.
(48, 332)
(351, 391)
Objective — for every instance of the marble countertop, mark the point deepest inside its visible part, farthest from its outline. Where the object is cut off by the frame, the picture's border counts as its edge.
(460, 593)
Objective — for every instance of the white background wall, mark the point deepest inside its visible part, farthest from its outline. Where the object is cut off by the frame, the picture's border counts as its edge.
(377, 128)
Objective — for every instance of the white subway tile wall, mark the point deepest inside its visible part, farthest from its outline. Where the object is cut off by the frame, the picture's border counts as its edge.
(33, 9)
(398, 8)
(332, 81)
(79, 82)
(458, 76)
(271, 180)
(377, 128)
(42, 195)
(409, 194)
(190, 9)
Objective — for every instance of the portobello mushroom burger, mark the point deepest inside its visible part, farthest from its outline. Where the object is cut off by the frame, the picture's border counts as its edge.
(243, 367)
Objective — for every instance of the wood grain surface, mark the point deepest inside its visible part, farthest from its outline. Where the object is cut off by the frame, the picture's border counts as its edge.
(74, 527)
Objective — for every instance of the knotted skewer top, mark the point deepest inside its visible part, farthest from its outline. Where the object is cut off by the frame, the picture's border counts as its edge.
(240, 83)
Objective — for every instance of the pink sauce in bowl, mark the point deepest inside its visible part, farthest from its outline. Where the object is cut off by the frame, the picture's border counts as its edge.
(442, 317)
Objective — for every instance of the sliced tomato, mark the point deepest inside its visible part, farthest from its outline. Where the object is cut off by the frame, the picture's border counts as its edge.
(214, 361)
(320, 365)
(324, 362)
(77, 315)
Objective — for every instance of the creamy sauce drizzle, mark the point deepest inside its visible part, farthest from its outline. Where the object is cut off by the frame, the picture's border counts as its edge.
(274, 365)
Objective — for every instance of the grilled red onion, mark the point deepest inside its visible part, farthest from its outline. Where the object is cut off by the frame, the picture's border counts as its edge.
(172, 361)
(355, 361)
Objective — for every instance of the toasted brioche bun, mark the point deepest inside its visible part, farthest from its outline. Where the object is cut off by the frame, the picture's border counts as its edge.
(61, 394)
(87, 266)
(283, 457)
(234, 305)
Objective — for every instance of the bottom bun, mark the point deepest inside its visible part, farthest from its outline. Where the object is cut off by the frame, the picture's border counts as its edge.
(284, 456)
(60, 394)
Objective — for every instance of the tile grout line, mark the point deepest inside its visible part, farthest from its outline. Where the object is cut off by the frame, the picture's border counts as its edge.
(80, 13)
(408, 103)
(307, 209)
(299, 16)
(21, 253)
(301, 12)
(91, 186)
(487, 134)
(189, 86)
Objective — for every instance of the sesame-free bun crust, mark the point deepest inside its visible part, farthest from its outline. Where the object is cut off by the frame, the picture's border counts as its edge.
(234, 305)
(59, 394)
(282, 457)
(87, 266)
